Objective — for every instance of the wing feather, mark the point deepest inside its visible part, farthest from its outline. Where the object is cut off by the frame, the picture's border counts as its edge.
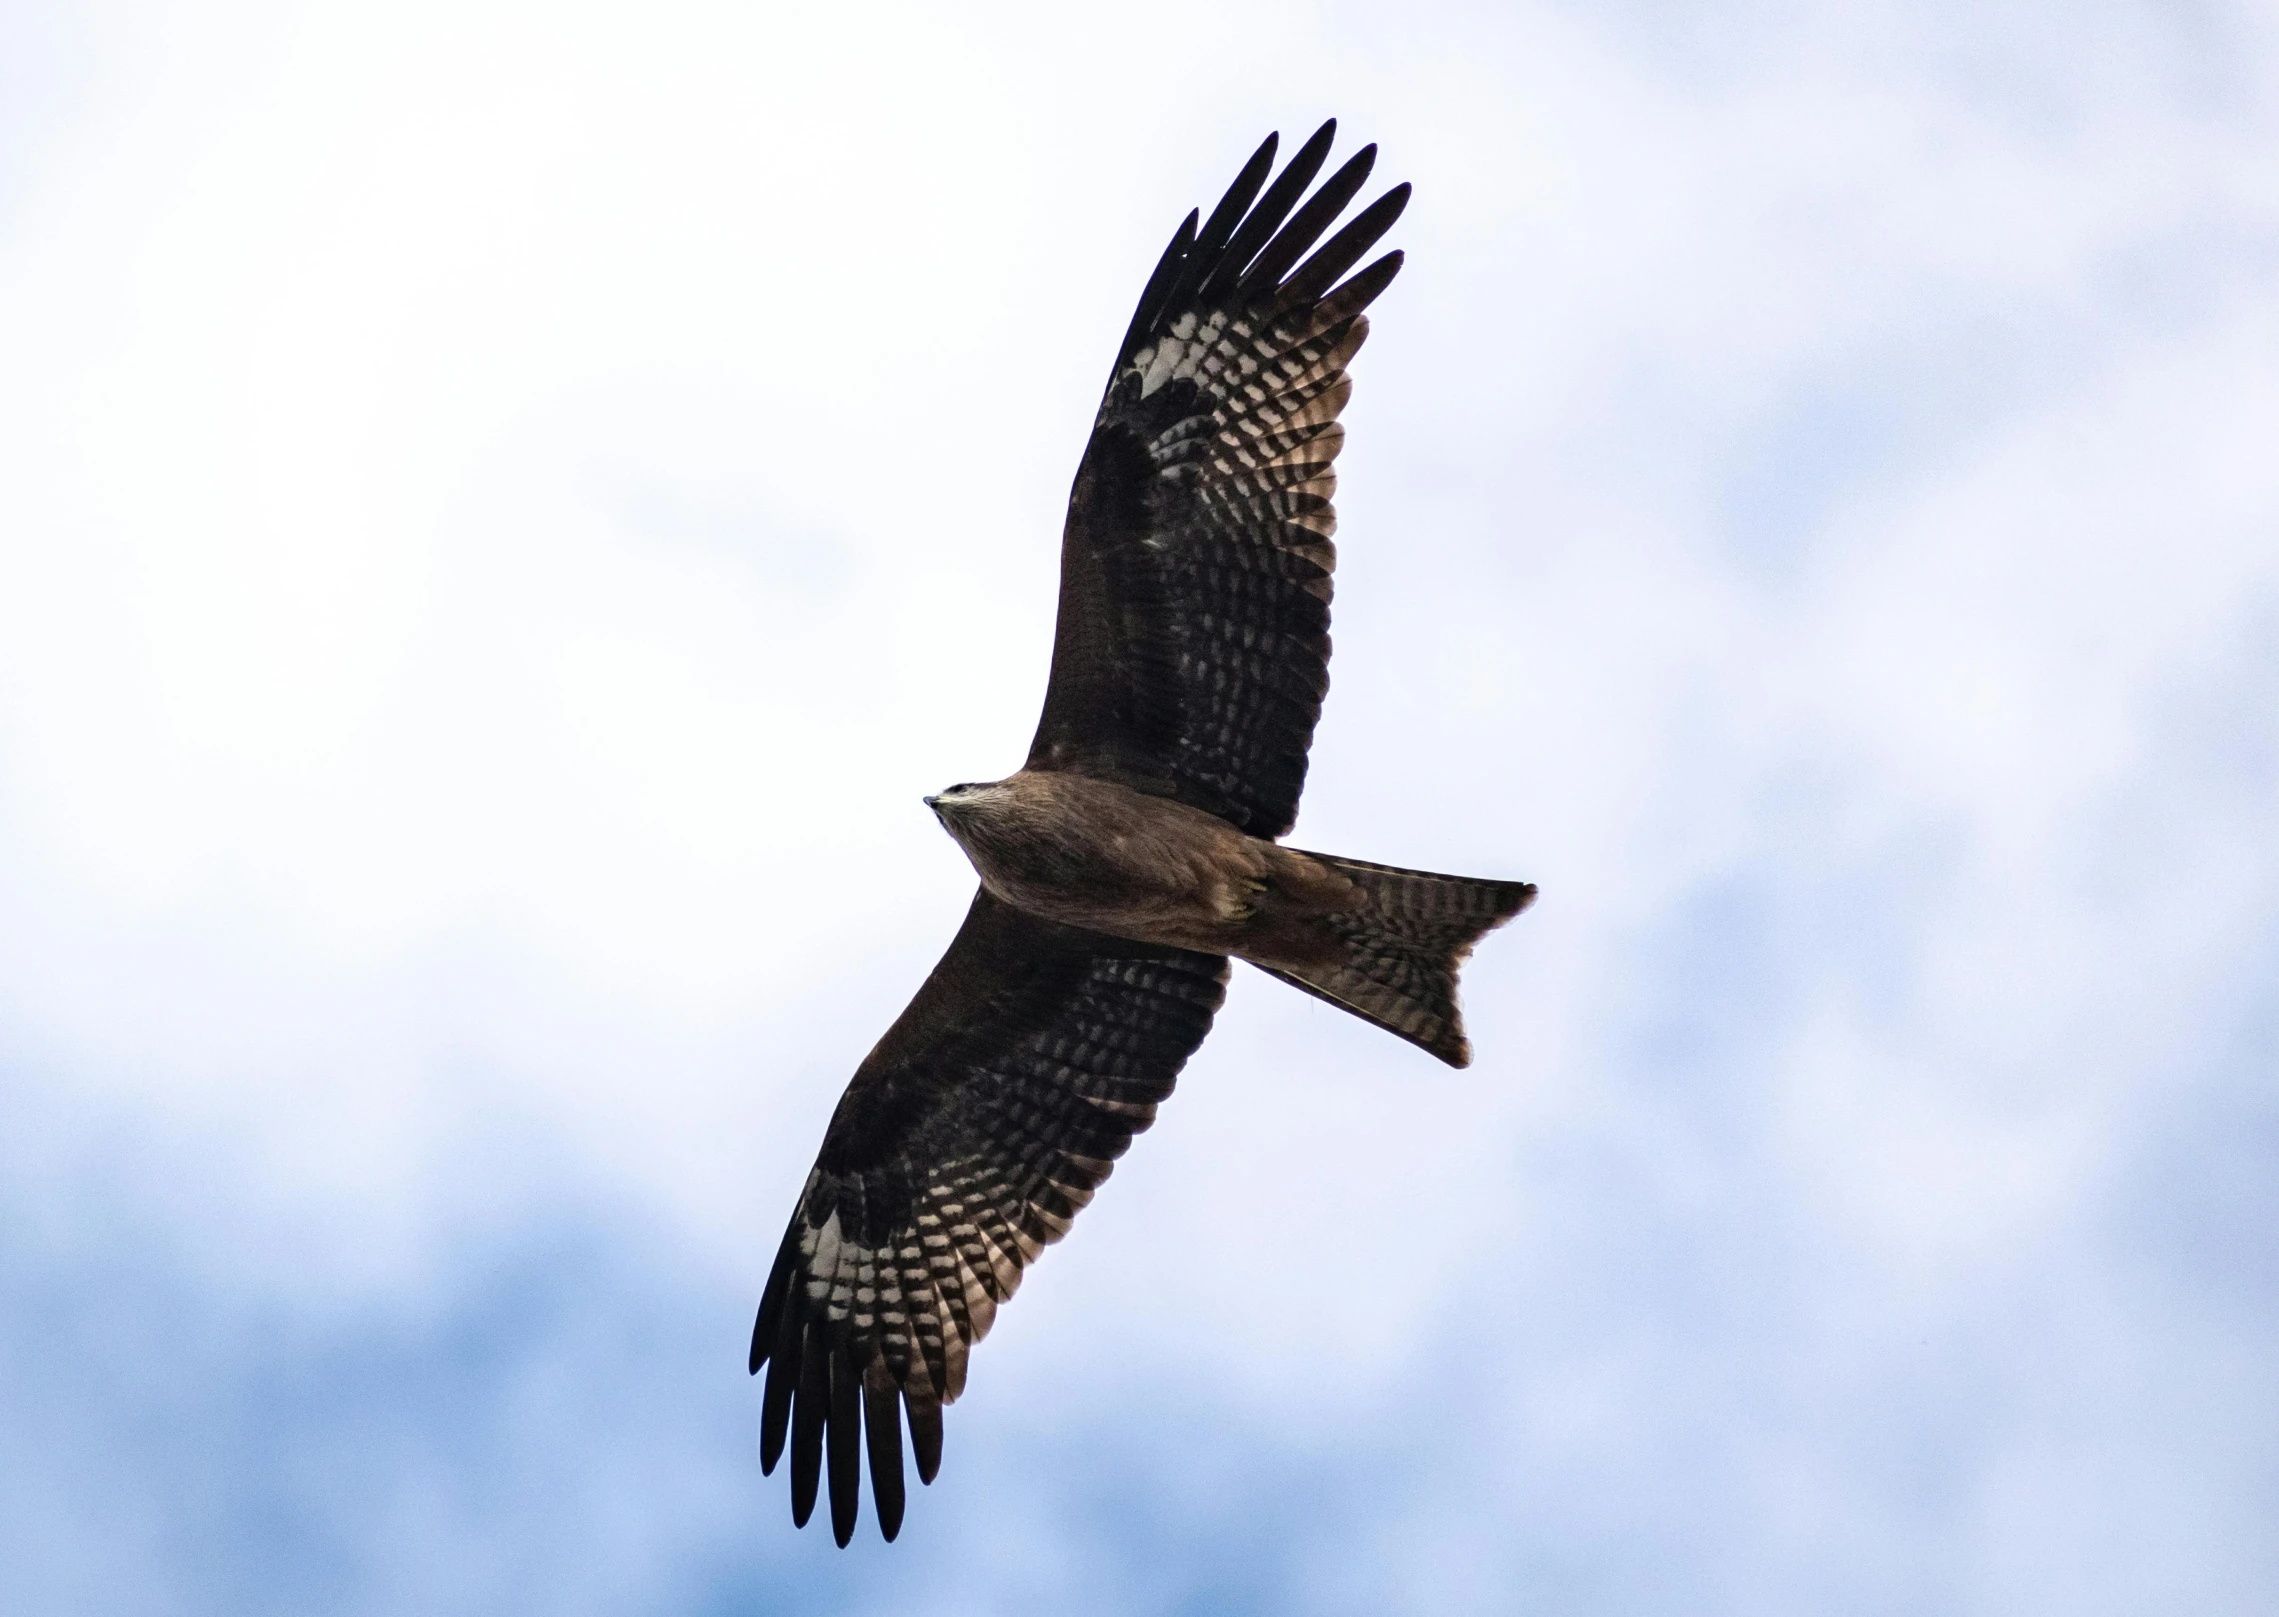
(1304, 230)
(1343, 250)
(1273, 208)
(967, 1142)
(1211, 243)
(807, 1409)
(1162, 281)
(1190, 660)
(1192, 650)
(882, 1427)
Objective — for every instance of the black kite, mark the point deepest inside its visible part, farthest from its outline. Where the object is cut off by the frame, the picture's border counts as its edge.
(1130, 856)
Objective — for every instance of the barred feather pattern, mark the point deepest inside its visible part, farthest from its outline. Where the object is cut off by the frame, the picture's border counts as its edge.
(1036, 1054)
(1403, 947)
(1241, 544)
(1193, 648)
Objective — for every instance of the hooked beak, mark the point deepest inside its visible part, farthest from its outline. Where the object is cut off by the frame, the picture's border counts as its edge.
(932, 802)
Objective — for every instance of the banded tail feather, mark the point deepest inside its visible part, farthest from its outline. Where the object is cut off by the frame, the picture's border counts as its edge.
(1402, 949)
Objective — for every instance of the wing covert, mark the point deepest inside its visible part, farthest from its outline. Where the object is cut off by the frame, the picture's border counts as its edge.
(966, 1142)
(1191, 653)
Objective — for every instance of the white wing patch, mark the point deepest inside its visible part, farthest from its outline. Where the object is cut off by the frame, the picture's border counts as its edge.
(1185, 347)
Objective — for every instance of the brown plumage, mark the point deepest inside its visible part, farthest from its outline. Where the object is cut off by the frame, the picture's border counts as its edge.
(1130, 856)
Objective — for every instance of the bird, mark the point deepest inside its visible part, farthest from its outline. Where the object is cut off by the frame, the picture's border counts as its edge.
(1134, 852)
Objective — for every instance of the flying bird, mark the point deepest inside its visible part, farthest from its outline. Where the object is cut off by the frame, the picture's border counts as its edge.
(1131, 855)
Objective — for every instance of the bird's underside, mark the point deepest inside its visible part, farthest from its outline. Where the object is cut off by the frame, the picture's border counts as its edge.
(1133, 853)
(1093, 853)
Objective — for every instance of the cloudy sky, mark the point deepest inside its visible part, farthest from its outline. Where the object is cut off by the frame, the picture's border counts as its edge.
(504, 509)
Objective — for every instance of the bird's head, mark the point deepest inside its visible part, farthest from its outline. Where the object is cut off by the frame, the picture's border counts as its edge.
(954, 804)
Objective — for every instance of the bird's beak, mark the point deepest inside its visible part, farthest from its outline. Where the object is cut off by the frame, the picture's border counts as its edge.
(933, 803)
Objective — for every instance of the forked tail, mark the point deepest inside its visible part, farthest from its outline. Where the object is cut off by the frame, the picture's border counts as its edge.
(1397, 954)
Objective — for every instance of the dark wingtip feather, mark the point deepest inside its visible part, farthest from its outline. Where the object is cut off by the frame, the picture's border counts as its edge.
(1160, 281)
(926, 1438)
(783, 1380)
(1343, 250)
(1267, 217)
(1222, 222)
(807, 1422)
(774, 1295)
(1240, 194)
(1237, 200)
(1306, 226)
(882, 1430)
(842, 1426)
(1353, 295)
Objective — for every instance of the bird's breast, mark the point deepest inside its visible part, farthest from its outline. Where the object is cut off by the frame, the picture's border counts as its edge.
(1096, 854)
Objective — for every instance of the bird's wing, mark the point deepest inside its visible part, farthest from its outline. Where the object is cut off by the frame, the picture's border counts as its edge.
(1192, 649)
(965, 1144)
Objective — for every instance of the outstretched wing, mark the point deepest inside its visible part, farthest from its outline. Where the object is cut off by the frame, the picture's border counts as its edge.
(1192, 649)
(965, 1144)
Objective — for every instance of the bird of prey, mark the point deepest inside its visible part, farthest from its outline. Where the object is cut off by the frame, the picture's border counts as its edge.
(1130, 856)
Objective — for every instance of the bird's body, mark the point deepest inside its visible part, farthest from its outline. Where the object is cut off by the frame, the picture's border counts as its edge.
(1096, 854)
(1099, 855)
(1133, 854)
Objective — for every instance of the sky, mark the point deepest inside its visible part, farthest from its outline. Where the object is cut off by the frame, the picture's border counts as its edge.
(504, 510)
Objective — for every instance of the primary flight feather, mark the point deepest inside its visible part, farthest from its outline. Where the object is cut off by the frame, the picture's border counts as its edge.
(1131, 855)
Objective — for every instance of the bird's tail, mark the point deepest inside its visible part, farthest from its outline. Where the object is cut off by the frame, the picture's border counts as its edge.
(1393, 958)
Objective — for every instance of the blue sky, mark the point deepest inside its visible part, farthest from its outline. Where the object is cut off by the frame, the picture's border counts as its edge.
(503, 512)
